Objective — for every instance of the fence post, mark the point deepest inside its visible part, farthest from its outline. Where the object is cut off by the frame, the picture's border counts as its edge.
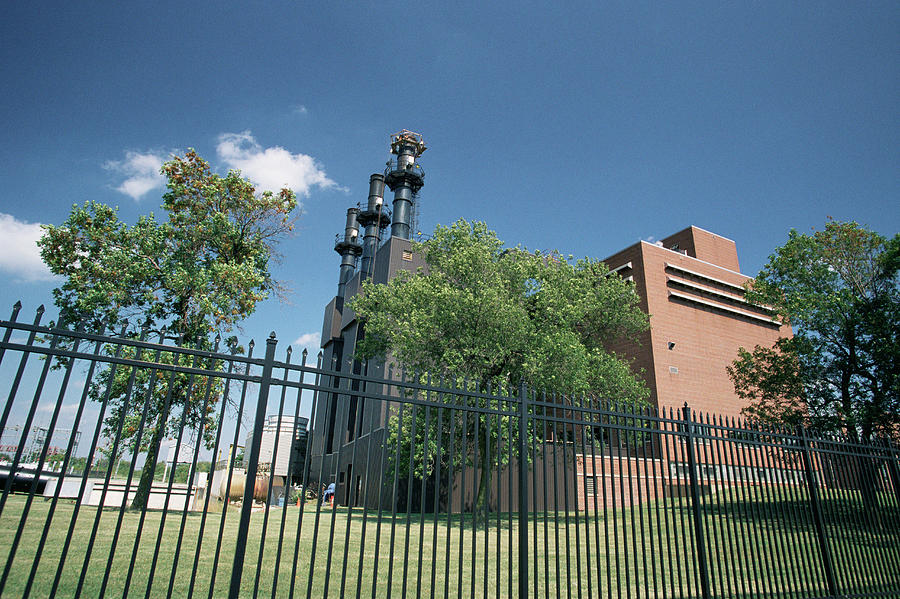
(523, 491)
(250, 480)
(817, 514)
(703, 567)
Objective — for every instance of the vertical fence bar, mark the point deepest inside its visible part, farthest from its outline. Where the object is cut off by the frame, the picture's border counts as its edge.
(573, 413)
(584, 418)
(23, 360)
(212, 471)
(231, 459)
(289, 477)
(109, 468)
(26, 429)
(312, 423)
(247, 504)
(739, 492)
(778, 464)
(437, 495)
(350, 487)
(23, 518)
(451, 475)
(523, 491)
(707, 470)
(476, 491)
(8, 333)
(169, 485)
(817, 513)
(893, 468)
(87, 469)
(64, 469)
(695, 502)
(271, 484)
(131, 470)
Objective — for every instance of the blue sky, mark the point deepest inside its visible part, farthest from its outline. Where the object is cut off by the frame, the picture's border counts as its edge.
(579, 127)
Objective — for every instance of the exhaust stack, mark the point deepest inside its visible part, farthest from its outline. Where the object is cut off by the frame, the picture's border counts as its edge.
(405, 178)
(349, 248)
(374, 218)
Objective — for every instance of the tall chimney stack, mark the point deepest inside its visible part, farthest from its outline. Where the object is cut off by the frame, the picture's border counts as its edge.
(374, 218)
(405, 178)
(349, 248)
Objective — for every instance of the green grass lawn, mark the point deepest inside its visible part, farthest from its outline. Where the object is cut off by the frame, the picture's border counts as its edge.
(754, 549)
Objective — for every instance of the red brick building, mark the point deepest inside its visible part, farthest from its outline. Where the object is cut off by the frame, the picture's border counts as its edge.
(691, 285)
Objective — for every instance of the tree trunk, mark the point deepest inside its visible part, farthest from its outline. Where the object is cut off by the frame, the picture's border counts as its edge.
(149, 470)
(868, 473)
(484, 485)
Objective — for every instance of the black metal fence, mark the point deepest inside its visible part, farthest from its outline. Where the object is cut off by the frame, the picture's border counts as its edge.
(441, 489)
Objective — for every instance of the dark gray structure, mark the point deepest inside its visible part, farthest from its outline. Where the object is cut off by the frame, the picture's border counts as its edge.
(349, 432)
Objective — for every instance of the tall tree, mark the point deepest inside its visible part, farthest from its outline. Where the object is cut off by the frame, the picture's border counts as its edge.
(838, 288)
(198, 273)
(499, 316)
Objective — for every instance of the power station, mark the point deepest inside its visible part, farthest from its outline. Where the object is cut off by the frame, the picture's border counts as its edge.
(689, 282)
(341, 418)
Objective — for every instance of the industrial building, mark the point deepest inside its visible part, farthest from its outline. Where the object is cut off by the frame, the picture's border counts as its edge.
(345, 419)
(690, 283)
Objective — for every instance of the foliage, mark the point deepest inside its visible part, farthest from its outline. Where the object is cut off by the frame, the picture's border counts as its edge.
(198, 273)
(496, 317)
(838, 289)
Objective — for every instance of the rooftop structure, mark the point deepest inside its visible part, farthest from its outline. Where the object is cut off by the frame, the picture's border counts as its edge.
(691, 285)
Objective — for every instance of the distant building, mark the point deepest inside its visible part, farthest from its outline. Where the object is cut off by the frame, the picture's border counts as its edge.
(291, 445)
(691, 285)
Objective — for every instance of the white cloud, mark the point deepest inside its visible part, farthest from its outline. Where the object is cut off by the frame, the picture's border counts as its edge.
(309, 341)
(141, 172)
(21, 256)
(271, 168)
(300, 109)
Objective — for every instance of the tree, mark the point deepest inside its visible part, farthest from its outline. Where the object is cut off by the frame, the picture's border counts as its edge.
(496, 317)
(838, 288)
(198, 273)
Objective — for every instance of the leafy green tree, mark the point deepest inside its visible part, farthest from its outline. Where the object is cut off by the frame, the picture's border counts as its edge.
(496, 316)
(195, 274)
(838, 289)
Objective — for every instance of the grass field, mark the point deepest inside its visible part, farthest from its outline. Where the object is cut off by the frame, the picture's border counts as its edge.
(754, 551)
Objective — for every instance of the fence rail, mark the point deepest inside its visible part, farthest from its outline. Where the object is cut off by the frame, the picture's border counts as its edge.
(440, 488)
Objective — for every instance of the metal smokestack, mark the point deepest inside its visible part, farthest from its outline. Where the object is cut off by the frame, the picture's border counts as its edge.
(349, 248)
(374, 218)
(405, 178)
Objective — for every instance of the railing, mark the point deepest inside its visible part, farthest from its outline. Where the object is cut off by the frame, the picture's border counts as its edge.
(440, 488)
(413, 168)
